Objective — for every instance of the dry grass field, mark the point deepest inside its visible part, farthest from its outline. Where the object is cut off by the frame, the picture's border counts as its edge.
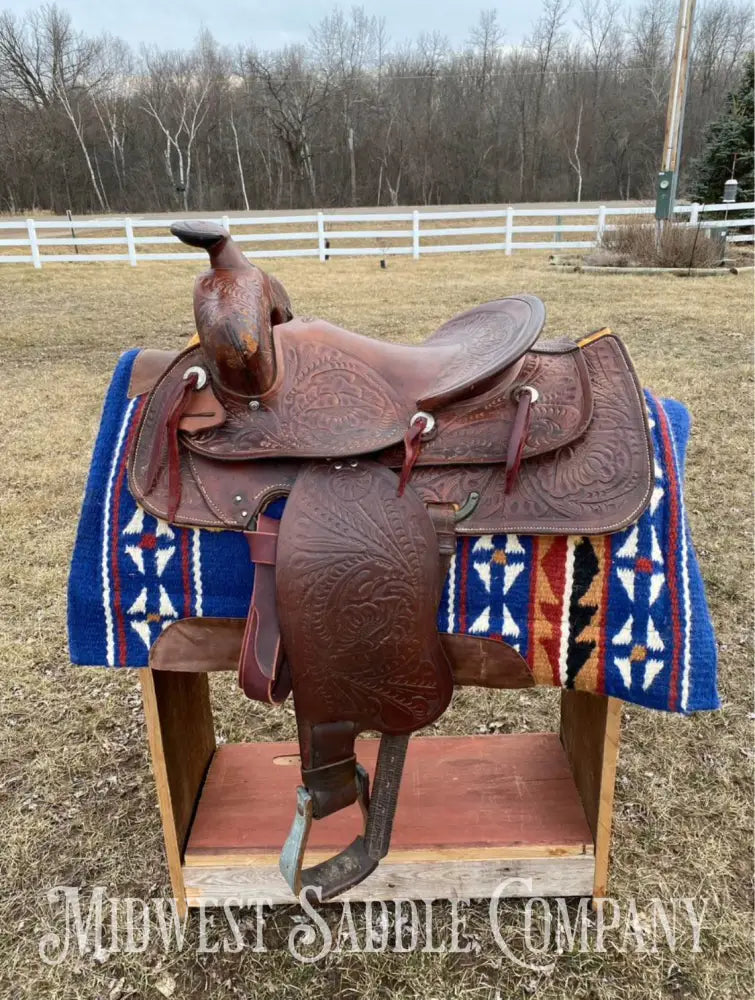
(77, 799)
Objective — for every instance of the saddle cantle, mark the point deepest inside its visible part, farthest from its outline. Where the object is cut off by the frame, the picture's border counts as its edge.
(385, 453)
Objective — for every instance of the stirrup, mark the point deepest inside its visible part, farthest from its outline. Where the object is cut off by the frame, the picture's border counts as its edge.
(362, 856)
(338, 873)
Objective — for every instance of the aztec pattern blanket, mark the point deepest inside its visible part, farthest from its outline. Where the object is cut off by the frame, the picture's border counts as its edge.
(623, 615)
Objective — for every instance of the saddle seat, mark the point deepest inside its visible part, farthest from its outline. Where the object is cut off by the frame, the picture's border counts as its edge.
(452, 364)
(586, 462)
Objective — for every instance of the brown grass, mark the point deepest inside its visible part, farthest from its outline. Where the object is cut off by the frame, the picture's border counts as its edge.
(77, 797)
(639, 244)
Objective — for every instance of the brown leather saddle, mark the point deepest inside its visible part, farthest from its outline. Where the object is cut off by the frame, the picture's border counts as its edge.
(385, 453)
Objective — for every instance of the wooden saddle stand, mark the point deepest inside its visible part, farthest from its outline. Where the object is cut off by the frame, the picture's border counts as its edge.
(385, 453)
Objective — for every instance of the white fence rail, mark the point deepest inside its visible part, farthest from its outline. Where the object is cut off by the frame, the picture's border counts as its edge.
(319, 230)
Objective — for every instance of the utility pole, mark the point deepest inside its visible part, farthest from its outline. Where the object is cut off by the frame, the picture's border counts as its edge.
(669, 173)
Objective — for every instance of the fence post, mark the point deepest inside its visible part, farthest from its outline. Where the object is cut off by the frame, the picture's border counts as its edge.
(601, 226)
(321, 236)
(694, 213)
(130, 241)
(509, 230)
(557, 234)
(415, 234)
(33, 245)
(226, 223)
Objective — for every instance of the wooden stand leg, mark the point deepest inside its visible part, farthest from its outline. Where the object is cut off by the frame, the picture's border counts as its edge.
(182, 742)
(590, 727)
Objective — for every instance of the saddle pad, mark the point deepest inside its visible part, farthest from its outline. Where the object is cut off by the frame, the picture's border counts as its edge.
(623, 614)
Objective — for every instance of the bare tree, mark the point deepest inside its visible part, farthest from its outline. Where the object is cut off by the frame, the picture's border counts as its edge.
(176, 98)
(84, 124)
(294, 96)
(545, 41)
(239, 163)
(598, 23)
(41, 53)
(347, 49)
(45, 62)
(573, 153)
(486, 38)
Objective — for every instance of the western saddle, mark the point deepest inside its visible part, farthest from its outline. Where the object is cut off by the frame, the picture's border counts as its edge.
(385, 453)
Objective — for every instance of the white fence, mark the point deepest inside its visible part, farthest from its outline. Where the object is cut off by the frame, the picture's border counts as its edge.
(318, 232)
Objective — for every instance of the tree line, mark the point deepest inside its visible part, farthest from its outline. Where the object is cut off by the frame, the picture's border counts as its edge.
(575, 111)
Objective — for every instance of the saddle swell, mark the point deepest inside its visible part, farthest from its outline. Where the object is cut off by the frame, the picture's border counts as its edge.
(491, 432)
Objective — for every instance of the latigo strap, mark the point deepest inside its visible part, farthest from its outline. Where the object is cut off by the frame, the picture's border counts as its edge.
(263, 671)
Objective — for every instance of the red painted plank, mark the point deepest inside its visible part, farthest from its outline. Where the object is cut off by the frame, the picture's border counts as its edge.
(457, 792)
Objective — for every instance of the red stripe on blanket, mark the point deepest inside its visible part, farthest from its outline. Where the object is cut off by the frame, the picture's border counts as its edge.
(532, 603)
(186, 573)
(673, 541)
(463, 585)
(552, 595)
(600, 683)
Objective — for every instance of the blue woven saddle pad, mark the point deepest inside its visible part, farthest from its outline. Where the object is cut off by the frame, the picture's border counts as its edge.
(623, 615)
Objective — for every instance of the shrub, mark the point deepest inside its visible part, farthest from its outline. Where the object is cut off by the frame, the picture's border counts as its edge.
(674, 245)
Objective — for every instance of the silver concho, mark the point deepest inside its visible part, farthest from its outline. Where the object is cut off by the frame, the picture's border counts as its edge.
(517, 391)
(200, 373)
(429, 423)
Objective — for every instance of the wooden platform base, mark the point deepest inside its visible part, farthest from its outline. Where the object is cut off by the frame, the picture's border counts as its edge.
(472, 812)
(532, 810)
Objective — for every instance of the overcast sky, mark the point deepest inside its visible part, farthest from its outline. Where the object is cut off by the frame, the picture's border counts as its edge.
(273, 23)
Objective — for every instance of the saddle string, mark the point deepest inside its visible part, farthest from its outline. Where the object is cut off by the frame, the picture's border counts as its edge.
(525, 396)
(412, 446)
(171, 432)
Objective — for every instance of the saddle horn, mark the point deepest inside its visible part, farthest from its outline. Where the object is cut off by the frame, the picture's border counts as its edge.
(236, 305)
